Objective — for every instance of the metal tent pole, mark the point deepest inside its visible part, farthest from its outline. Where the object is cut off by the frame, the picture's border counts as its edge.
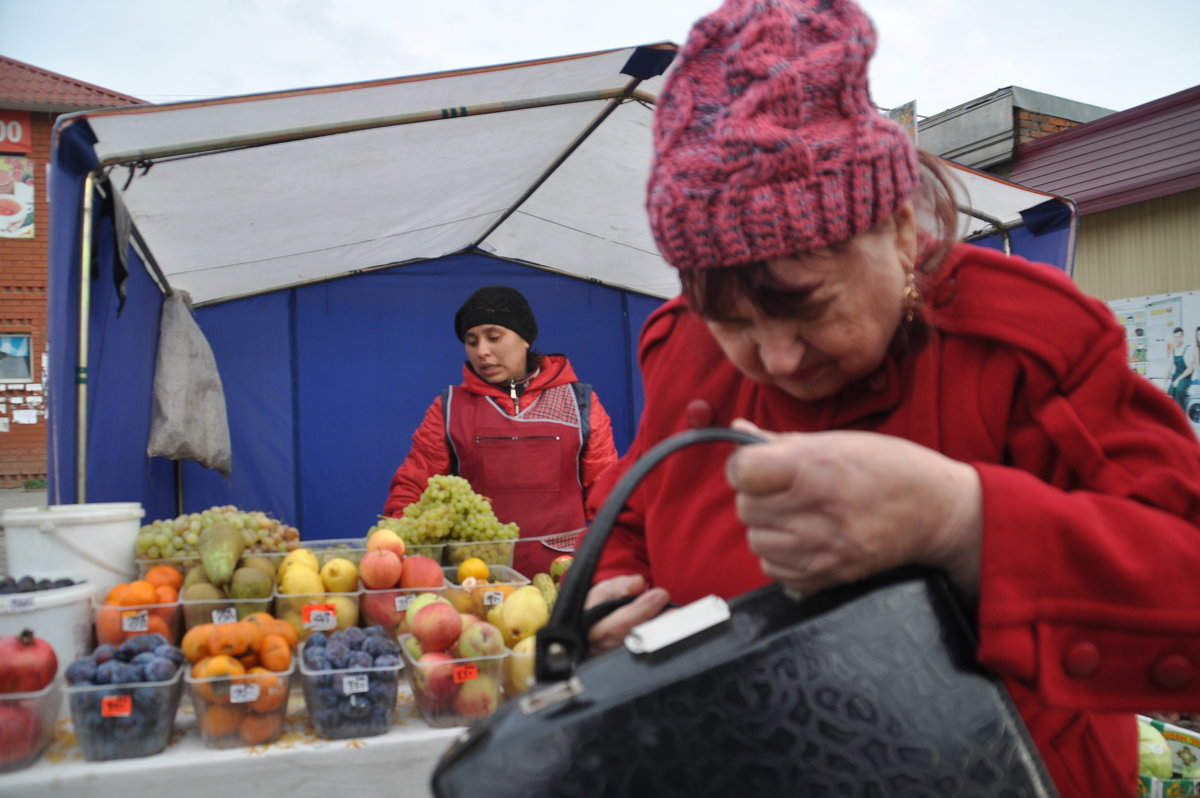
(81, 358)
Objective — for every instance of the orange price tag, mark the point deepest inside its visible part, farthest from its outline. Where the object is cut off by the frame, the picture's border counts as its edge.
(319, 617)
(116, 706)
(465, 673)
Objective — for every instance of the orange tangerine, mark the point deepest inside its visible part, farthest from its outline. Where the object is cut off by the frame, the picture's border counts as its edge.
(164, 575)
(256, 729)
(138, 593)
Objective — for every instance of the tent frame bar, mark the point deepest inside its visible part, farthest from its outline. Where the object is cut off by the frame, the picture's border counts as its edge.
(81, 360)
(225, 143)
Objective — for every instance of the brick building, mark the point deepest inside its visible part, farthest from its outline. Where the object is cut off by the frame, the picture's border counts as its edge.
(31, 99)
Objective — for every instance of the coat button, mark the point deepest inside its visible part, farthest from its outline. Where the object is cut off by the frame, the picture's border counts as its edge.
(699, 414)
(1081, 660)
(1172, 672)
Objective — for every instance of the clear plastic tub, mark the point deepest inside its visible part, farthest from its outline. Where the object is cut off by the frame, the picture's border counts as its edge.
(119, 721)
(318, 612)
(454, 692)
(28, 721)
(115, 622)
(389, 607)
(248, 709)
(350, 702)
(477, 599)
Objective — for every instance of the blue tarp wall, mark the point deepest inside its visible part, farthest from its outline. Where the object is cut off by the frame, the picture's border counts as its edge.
(324, 384)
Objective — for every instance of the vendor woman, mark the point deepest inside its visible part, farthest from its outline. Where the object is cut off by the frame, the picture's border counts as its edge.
(520, 427)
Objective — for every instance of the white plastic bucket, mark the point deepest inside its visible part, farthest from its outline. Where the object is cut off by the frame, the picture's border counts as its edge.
(74, 541)
(61, 616)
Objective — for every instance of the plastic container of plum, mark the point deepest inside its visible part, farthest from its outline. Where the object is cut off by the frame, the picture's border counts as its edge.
(248, 709)
(349, 702)
(28, 720)
(389, 607)
(478, 598)
(453, 692)
(121, 721)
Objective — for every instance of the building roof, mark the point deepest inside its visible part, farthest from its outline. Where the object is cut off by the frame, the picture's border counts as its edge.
(980, 133)
(1143, 153)
(24, 87)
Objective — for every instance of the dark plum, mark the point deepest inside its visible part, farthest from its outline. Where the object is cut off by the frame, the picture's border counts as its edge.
(81, 671)
(159, 669)
(104, 652)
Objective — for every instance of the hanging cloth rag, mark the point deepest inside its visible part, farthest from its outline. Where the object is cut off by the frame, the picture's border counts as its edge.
(188, 420)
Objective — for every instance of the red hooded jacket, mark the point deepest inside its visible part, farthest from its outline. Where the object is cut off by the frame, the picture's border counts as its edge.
(535, 511)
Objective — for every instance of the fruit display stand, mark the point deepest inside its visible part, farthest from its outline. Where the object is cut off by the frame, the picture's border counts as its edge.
(298, 764)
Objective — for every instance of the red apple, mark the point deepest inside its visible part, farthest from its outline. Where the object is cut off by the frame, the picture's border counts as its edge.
(380, 569)
(414, 606)
(421, 572)
(379, 609)
(480, 639)
(433, 676)
(384, 538)
(436, 626)
(479, 697)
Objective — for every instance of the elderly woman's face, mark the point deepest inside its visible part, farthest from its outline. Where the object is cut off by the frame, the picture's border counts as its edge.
(854, 301)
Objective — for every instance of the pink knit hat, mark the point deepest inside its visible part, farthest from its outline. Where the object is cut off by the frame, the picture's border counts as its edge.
(766, 141)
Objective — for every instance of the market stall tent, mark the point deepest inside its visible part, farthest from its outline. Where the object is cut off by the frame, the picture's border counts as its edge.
(325, 237)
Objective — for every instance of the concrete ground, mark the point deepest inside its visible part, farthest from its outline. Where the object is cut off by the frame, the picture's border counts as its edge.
(11, 499)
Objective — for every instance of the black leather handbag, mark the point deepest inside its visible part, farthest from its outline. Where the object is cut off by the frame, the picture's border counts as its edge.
(870, 689)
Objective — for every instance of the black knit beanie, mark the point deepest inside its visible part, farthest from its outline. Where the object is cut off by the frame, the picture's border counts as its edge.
(496, 304)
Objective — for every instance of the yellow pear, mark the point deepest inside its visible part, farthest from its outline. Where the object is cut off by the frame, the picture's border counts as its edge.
(518, 675)
(347, 610)
(301, 556)
(299, 579)
(522, 614)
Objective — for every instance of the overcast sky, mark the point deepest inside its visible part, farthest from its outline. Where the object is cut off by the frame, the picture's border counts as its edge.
(941, 53)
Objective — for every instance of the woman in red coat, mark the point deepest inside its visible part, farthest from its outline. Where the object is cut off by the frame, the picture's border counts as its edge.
(520, 428)
(926, 401)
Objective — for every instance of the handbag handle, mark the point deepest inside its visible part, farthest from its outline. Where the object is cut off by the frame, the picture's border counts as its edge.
(562, 642)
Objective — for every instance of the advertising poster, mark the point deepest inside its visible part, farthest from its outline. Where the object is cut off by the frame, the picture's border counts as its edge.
(16, 197)
(1163, 334)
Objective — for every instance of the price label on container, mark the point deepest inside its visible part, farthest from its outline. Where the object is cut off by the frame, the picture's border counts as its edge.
(116, 706)
(243, 693)
(319, 617)
(225, 615)
(492, 597)
(465, 672)
(135, 621)
(402, 601)
(23, 603)
(355, 683)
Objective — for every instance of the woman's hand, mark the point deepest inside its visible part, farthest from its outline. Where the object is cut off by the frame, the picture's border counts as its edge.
(610, 632)
(832, 507)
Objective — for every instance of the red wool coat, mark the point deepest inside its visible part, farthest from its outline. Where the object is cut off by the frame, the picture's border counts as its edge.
(1089, 605)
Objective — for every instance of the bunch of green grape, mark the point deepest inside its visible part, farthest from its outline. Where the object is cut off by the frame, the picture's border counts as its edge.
(171, 538)
(449, 511)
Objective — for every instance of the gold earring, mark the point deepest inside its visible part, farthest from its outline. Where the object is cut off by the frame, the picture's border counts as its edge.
(912, 297)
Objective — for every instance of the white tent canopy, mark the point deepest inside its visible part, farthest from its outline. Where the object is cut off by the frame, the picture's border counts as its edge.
(541, 162)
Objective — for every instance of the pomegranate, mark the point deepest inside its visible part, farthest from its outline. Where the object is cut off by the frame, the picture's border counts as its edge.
(27, 663)
(19, 734)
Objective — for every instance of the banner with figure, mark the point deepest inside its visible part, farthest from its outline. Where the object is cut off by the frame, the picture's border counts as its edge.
(1163, 333)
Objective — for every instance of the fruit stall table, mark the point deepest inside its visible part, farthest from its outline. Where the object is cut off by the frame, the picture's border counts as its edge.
(299, 764)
